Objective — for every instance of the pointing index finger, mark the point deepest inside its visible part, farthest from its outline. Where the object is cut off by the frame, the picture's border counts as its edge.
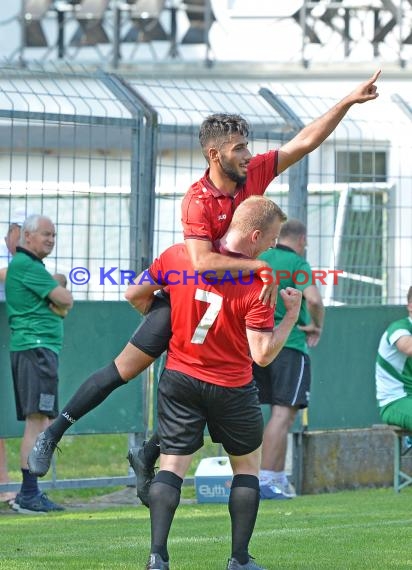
(375, 76)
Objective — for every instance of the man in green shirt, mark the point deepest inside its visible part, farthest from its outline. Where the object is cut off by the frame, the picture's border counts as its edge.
(7, 250)
(285, 383)
(36, 304)
(394, 371)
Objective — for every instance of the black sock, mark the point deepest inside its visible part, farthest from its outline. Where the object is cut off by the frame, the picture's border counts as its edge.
(243, 509)
(91, 393)
(152, 449)
(29, 486)
(164, 497)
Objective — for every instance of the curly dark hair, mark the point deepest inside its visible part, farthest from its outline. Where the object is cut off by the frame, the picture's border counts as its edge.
(219, 127)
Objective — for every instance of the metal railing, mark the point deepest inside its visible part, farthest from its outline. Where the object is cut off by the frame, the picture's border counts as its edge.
(120, 33)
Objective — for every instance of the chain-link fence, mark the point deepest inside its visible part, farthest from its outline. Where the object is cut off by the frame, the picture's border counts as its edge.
(73, 148)
(108, 159)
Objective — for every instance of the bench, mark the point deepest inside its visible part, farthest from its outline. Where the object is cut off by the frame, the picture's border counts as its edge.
(401, 479)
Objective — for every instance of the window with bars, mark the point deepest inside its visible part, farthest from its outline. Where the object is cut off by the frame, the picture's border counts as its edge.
(362, 229)
(361, 166)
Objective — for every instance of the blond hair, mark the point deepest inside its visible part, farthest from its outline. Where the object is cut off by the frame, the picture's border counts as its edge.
(256, 213)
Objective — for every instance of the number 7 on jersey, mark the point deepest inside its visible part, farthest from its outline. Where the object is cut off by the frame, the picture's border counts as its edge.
(215, 304)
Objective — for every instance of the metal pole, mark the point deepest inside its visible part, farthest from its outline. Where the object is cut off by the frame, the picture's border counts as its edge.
(346, 32)
(399, 18)
(207, 26)
(298, 173)
(116, 36)
(22, 33)
(302, 19)
(173, 51)
(60, 34)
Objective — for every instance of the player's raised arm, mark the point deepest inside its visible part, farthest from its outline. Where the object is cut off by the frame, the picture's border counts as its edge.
(311, 136)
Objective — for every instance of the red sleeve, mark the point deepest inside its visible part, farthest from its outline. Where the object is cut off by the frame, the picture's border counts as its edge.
(259, 317)
(196, 217)
(155, 270)
(261, 171)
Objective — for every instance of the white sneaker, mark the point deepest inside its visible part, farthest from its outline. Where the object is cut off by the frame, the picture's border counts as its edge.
(286, 488)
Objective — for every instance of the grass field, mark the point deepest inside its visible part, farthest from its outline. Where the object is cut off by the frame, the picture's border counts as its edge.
(365, 529)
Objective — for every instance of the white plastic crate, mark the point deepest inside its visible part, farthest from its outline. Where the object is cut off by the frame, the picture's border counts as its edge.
(213, 479)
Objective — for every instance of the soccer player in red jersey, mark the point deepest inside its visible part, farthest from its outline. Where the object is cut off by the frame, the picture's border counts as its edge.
(232, 175)
(218, 327)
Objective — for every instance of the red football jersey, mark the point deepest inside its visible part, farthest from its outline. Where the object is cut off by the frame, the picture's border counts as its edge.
(209, 320)
(207, 212)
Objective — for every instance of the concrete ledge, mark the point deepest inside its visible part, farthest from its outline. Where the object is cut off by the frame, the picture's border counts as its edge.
(346, 459)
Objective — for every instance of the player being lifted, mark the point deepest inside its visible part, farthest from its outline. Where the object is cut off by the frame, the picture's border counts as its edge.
(232, 175)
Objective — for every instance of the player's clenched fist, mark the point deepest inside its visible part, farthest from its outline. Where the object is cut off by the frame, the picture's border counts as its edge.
(292, 299)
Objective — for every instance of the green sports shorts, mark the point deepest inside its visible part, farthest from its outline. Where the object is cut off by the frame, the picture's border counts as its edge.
(398, 413)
